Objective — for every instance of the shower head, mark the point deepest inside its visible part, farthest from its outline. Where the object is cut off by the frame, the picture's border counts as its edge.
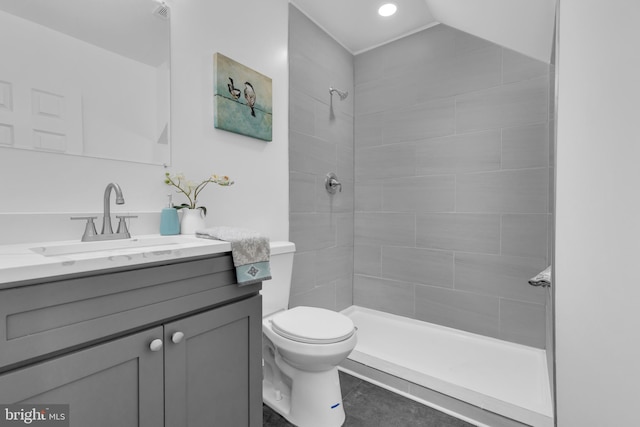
(341, 94)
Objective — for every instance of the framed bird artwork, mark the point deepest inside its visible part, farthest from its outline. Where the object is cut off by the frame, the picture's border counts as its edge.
(242, 99)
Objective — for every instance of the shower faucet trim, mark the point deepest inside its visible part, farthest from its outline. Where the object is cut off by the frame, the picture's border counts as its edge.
(331, 183)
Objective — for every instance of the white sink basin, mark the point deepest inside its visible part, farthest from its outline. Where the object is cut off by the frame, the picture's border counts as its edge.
(64, 248)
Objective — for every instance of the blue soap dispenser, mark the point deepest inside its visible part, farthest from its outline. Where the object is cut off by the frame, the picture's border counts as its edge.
(169, 222)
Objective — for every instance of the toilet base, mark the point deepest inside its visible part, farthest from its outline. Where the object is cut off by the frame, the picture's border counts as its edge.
(315, 399)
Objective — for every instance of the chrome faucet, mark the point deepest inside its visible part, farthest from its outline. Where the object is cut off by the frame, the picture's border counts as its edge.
(90, 234)
(106, 220)
(331, 183)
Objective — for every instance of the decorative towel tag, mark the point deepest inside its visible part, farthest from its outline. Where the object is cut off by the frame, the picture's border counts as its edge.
(253, 272)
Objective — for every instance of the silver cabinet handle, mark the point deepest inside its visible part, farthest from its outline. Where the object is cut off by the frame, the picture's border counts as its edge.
(156, 345)
(177, 337)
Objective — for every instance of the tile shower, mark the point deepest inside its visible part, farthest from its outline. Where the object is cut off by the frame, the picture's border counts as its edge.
(445, 212)
(320, 141)
(445, 151)
(452, 184)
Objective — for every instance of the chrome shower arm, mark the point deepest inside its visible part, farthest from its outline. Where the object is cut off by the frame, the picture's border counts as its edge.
(342, 94)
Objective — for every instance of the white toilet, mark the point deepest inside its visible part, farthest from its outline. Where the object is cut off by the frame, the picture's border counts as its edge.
(301, 349)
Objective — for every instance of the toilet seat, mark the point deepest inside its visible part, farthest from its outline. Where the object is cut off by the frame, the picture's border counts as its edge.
(313, 325)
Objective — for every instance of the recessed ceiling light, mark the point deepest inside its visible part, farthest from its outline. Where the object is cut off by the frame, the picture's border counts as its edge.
(387, 9)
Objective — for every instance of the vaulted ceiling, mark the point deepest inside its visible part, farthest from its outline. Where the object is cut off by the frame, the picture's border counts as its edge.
(525, 26)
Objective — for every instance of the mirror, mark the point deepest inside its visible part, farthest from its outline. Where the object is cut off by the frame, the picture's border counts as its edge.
(86, 77)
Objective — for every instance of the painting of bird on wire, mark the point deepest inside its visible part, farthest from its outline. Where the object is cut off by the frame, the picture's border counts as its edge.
(242, 99)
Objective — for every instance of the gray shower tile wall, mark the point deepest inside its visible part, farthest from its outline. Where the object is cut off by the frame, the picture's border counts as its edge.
(445, 209)
(407, 264)
(517, 67)
(457, 309)
(517, 190)
(418, 193)
(525, 235)
(499, 276)
(517, 316)
(459, 232)
(385, 161)
(320, 141)
(503, 106)
(470, 152)
(522, 147)
(452, 183)
(385, 228)
(391, 296)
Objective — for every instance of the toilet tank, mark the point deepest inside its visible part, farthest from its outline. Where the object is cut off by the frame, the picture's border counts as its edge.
(275, 292)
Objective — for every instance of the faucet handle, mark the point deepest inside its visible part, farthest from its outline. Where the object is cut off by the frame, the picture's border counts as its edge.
(122, 224)
(331, 183)
(90, 228)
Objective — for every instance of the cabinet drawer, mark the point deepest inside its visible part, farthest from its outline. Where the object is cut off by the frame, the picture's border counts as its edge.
(48, 317)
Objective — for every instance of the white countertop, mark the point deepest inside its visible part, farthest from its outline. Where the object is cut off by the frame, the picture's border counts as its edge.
(31, 261)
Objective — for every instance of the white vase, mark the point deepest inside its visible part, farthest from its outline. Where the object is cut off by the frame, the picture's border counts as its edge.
(192, 220)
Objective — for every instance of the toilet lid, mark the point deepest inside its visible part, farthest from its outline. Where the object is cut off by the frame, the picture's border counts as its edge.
(312, 325)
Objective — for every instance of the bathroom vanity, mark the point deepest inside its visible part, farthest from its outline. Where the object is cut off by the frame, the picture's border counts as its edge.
(150, 336)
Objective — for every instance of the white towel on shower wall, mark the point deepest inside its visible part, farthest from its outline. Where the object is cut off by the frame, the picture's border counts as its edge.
(542, 279)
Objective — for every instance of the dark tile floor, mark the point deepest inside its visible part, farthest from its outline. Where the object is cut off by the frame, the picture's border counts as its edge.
(368, 405)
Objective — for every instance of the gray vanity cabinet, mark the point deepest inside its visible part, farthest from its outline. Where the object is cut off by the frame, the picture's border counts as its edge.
(175, 344)
(118, 383)
(210, 374)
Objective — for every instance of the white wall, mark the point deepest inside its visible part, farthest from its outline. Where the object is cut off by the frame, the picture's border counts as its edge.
(598, 214)
(252, 32)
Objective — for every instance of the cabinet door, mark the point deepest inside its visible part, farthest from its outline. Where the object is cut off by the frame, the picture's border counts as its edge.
(213, 376)
(118, 383)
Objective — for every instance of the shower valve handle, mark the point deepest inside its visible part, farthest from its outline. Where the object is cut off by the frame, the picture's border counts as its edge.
(332, 184)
